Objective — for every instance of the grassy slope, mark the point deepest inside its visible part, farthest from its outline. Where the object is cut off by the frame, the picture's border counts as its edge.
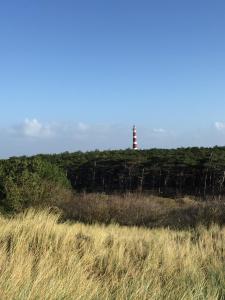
(40, 259)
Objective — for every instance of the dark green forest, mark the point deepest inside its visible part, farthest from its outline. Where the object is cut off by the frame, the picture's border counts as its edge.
(198, 172)
(193, 171)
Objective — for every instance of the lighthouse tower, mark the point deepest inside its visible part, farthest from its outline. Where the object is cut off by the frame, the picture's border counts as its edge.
(135, 146)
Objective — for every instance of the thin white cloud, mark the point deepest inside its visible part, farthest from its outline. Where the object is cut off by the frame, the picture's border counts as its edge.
(82, 126)
(220, 126)
(33, 128)
(159, 130)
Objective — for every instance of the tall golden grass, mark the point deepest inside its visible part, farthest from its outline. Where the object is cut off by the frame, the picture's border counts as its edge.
(42, 259)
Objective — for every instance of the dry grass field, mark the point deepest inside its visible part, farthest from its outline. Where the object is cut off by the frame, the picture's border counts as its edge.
(42, 259)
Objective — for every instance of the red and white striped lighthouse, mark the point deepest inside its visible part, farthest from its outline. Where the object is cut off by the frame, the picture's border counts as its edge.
(135, 146)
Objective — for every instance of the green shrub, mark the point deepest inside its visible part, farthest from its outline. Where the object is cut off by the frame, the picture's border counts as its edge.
(30, 182)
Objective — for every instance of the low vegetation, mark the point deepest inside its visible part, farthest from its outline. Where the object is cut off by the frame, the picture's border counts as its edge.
(43, 259)
(142, 210)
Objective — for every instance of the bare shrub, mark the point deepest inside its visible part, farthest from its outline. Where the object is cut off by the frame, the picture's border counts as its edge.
(142, 210)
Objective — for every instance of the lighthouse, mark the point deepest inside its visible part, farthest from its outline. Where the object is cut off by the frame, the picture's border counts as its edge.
(135, 146)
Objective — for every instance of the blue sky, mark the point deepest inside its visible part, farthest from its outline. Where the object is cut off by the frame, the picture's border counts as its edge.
(76, 75)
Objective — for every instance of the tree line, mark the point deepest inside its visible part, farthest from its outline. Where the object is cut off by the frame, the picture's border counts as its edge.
(184, 171)
(192, 171)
